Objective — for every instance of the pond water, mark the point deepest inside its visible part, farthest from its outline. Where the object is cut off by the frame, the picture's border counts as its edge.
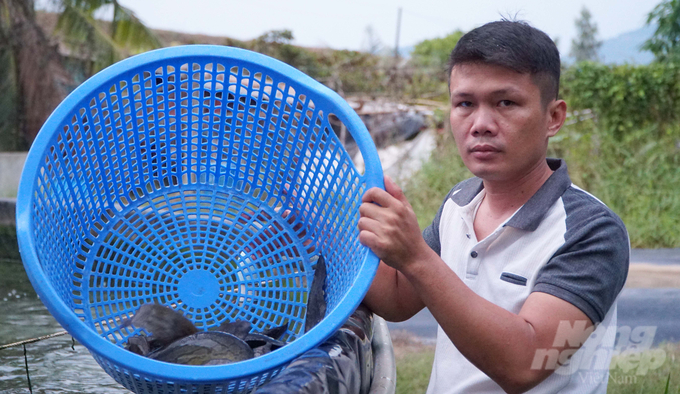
(55, 365)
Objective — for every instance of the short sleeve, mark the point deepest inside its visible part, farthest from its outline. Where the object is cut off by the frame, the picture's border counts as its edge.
(590, 268)
(431, 232)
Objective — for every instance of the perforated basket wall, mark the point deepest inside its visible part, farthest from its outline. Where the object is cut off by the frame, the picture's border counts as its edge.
(204, 178)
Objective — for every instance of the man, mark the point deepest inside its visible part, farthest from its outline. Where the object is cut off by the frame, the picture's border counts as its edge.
(519, 264)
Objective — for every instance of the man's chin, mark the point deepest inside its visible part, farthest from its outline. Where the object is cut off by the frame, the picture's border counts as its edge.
(486, 170)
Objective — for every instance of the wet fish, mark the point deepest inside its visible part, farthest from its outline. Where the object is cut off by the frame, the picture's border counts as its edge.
(240, 328)
(138, 344)
(205, 348)
(165, 325)
(276, 332)
(316, 302)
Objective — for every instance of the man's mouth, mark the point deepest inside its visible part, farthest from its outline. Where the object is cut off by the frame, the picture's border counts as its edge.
(484, 152)
(484, 148)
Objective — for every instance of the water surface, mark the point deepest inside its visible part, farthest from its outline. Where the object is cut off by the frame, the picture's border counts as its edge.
(55, 365)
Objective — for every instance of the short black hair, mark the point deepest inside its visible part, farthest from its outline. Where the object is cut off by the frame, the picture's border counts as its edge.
(514, 45)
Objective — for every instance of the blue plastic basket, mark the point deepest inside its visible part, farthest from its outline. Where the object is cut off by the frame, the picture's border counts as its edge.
(164, 179)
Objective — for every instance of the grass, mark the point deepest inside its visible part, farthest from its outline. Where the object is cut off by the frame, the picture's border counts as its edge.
(415, 364)
(413, 372)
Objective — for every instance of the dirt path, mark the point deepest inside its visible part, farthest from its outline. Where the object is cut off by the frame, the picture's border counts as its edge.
(643, 275)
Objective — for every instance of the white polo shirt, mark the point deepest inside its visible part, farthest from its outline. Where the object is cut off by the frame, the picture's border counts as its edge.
(563, 242)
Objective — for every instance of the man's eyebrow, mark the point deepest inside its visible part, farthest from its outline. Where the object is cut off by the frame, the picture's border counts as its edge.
(496, 92)
(461, 95)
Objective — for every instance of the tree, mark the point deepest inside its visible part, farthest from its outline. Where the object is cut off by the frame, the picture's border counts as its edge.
(665, 42)
(585, 45)
(435, 52)
(33, 79)
(371, 42)
(90, 39)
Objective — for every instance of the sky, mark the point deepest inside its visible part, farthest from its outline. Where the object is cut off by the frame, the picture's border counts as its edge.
(343, 24)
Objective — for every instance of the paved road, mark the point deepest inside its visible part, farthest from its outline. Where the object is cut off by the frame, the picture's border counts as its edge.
(637, 307)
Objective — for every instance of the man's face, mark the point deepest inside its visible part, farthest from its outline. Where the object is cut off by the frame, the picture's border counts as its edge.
(498, 121)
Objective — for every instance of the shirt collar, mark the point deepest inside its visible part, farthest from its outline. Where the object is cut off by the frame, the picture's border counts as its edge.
(532, 212)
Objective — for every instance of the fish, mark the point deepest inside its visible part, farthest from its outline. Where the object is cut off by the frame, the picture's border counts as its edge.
(240, 328)
(164, 324)
(139, 344)
(276, 332)
(316, 302)
(174, 338)
(205, 348)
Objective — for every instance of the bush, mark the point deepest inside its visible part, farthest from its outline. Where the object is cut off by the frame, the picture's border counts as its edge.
(625, 98)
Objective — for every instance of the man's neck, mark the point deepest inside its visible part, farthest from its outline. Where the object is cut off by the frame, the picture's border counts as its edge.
(507, 196)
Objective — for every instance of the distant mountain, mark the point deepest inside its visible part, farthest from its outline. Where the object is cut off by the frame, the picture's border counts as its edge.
(624, 48)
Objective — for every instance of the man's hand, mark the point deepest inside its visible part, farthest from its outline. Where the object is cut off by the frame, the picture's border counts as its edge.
(389, 227)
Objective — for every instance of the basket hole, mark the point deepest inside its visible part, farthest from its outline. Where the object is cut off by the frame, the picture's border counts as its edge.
(347, 141)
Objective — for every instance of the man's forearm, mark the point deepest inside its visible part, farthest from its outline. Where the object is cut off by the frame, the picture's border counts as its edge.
(391, 296)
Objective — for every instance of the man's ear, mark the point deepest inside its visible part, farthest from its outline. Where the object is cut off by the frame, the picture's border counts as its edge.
(557, 112)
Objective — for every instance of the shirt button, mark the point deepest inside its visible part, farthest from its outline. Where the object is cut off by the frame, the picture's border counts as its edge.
(474, 254)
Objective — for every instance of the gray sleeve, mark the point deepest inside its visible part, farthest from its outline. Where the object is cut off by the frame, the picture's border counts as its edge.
(590, 269)
(431, 232)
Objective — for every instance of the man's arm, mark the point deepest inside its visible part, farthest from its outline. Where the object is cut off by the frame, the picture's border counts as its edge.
(500, 343)
(391, 296)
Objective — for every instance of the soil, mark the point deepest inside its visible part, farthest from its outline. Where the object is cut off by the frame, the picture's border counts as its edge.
(643, 275)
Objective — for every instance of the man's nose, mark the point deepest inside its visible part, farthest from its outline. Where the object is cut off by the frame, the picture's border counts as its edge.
(484, 121)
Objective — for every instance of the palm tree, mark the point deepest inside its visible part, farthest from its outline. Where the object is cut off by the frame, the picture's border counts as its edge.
(33, 79)
(96, 42)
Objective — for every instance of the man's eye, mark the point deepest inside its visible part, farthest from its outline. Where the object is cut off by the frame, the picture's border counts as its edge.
(506, 103)
(464, 104)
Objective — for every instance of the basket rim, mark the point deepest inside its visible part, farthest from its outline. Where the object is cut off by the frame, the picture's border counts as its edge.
(153, 369)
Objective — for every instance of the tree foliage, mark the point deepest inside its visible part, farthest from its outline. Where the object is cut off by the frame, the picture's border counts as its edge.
(625, 97)
(665, 42)
(585, 45)
(435, 52)
(93, 41)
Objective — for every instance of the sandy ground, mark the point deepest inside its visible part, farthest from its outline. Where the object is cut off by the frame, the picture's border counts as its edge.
(640, 275)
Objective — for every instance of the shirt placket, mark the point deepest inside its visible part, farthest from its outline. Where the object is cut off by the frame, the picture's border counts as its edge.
(477, 251)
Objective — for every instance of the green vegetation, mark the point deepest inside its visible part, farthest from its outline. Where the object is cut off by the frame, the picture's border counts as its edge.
(652, 381)
(103, 44)
(626, 98)
(665, 43)
(413, 373)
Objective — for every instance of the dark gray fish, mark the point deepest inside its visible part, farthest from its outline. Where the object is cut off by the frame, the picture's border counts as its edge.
(239, 328)
(255, 340)
(205, 348)
(316, 303)
(138, 344)
(165, 325)
(262, 344)
(276, 332)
